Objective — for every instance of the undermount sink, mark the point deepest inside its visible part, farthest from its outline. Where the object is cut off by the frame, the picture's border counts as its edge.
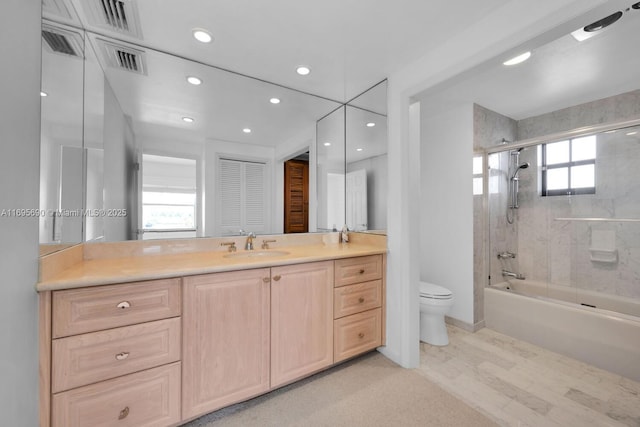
(256, 254)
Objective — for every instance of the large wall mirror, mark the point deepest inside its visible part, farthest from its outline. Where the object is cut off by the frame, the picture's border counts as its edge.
(352, 164)
(138, 143)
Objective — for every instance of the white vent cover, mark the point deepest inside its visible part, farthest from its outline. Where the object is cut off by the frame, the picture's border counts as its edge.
(120, 16)
(62, 41)
(123, 57)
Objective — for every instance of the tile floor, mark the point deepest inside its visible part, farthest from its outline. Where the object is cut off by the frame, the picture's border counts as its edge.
(519, 384)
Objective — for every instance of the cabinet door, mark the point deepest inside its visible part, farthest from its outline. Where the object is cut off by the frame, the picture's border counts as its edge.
(225, 339)
(302, 320)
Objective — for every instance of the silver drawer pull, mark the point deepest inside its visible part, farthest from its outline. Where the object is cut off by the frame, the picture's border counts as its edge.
(124, 304)
(122, 356)
(123, 413)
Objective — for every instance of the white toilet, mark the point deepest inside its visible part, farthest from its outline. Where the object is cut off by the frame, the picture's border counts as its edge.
(435, 302)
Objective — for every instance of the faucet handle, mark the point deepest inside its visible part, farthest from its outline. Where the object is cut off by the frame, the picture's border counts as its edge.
(232, 245)
(265, 243)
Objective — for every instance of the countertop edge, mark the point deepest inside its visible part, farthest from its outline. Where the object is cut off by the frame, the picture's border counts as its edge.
(68, 281)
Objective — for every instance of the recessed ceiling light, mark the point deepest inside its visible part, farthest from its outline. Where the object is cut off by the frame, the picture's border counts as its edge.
(187, 120)
(202, 35)
(274, 101)
(632, 133)
(303, 70)
(194, 80)
(246, 130)
(603, 23)
(43, 94)
(359, 149)
(588, 31)
(327, 144)
(370, 124)
(518, 59)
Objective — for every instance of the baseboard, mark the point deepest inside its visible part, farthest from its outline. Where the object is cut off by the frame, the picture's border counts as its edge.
(464, 325)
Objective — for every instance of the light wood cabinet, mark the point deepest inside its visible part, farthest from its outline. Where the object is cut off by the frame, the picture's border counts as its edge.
(114, 355)
(357, 334)
(76, 311)
(149, 398)
(359, 290)
(163, 352)
(301, 320)
(89, 358)
(358, 270)
(225, 340)
(355, 298)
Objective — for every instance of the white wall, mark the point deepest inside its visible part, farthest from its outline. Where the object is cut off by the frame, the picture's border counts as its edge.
(19, 158)
(119, 177)
(504, 29)
(446, 206)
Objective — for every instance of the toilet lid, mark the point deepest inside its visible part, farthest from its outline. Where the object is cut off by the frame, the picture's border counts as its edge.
(430, 290)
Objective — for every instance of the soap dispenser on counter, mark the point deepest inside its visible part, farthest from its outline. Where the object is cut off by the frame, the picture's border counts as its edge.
(344, 234)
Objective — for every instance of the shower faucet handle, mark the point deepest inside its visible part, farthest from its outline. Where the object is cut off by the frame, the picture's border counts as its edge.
(506, 255)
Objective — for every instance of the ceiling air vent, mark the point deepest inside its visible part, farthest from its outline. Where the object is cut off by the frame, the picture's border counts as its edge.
(58, 40)
(120, 16)
(124, 57)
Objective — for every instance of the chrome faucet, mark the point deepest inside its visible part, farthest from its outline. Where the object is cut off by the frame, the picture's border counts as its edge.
(249, 245)
(507, 273)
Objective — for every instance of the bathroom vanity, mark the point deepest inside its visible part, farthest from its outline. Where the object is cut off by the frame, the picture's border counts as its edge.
(161, 339)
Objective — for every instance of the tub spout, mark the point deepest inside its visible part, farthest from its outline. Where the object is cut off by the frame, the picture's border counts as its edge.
(507, 273)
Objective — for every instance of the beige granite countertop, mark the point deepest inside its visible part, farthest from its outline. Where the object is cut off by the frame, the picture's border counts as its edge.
(110, 270)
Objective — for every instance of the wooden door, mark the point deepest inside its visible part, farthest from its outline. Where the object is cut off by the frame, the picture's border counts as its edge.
(301, 320)
(296, 196)
(225, 339)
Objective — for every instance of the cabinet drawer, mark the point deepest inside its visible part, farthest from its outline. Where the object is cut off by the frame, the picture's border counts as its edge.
(147, 398)
(76, 311)
(84, 359)
(356, 334)
(356, 270)
(356, 298)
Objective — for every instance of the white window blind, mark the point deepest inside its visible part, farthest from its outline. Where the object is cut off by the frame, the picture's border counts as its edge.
(242, 196)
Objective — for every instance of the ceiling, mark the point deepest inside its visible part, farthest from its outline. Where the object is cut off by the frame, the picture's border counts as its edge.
(350, 45)
(560, 73)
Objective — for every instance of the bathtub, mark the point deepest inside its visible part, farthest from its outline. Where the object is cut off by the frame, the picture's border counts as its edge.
(586, 331)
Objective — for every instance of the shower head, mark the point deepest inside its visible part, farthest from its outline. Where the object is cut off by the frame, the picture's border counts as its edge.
(522, 166)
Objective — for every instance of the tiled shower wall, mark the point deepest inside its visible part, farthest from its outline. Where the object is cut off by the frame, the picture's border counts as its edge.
(557, 250)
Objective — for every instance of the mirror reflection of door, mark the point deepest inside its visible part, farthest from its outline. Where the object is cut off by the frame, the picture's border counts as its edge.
(169, 197)
(296, 196)
(335, 203)
(356, 200)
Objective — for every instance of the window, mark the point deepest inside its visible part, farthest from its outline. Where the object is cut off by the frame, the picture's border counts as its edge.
(168, 211)
(569, 167)
(477, 175)
(169, 197)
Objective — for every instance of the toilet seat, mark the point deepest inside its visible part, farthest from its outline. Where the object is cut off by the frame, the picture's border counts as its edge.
(429, 290)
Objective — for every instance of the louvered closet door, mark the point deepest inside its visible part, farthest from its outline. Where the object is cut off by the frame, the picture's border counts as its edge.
(242, 190)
